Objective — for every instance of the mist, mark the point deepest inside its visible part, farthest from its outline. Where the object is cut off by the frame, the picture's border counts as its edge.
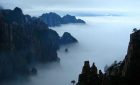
(102, 40)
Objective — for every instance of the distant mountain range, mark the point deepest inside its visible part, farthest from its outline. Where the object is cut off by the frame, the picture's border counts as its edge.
(53, 19)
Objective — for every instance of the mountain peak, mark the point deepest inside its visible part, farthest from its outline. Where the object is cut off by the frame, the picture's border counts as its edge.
(53, 19)
(17, 9)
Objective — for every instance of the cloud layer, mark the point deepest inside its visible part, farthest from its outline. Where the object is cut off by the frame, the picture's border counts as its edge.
(36, 7)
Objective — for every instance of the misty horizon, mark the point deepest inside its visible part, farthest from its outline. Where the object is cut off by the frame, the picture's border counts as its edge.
(45, 42)
(85, 7)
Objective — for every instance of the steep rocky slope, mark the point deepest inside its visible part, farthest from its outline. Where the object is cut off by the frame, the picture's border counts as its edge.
(126, 72)
(24, 42)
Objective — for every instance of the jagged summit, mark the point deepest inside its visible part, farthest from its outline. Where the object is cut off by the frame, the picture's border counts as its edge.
(67, 38)
(71, 19)
(89, 75)
(17, 9)
(53, 19)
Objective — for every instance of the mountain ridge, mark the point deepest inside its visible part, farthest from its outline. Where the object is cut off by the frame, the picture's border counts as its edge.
(53, 19)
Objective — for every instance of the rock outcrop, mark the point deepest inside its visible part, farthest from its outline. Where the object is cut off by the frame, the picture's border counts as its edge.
(89, 75)
(71, 19)
(53, 19)
(131, 63)
(126, 72)
(67, 38)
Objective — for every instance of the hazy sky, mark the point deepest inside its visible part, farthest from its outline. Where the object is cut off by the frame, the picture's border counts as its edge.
(36, 7)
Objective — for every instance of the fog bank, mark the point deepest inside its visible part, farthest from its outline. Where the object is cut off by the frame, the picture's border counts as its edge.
(102, 40)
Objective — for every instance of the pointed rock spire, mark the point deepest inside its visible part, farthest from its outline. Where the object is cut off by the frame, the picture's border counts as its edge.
(93, 69)
(86, 68)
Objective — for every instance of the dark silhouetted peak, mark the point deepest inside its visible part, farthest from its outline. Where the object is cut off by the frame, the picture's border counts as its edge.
(14, 16)
(71, 19)
(68, 19)
(131, 63)
(67, 38)
(53, 19)
(86, 68)
(100, 72)
(89, 75)
(69, 16)
(93, 69)
(81, 21)
(86, 63)
(52, 13)
(18, 10)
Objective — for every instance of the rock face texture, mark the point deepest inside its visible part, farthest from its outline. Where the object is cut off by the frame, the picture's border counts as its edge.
(67, 38)
(126, 72)
(53, 19)
(131, 67)
(24, 42)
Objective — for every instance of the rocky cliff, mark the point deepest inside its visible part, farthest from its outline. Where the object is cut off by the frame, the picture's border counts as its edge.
(125, 72)
(24, 42)
(131, 63)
